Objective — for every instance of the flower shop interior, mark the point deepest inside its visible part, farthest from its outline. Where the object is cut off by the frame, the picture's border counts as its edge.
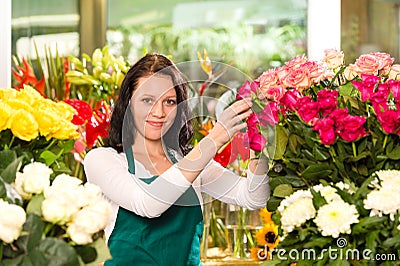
(327, 72)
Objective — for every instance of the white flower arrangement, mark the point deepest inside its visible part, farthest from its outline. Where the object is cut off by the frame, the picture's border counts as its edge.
(319, 217)
(59, 211)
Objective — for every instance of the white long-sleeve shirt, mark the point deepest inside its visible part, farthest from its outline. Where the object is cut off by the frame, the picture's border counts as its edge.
(108, 169)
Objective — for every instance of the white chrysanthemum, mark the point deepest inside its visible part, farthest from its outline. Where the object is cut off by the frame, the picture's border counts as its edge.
(335, 218)
(345, 187)
(328, 192)
(296, 209)
(383, 201)
(386, 178)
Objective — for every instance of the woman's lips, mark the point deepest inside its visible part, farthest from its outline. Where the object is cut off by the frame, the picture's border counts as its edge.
(155, 124)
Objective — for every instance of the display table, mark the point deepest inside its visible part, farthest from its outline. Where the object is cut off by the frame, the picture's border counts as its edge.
(230, 261)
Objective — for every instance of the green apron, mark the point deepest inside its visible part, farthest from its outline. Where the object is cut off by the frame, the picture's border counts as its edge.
(170, 239)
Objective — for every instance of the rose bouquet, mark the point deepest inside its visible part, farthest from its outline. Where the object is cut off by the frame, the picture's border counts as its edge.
(324, 122)
(330, 121)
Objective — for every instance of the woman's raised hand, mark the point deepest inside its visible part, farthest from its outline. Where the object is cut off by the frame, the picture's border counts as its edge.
(231, 120)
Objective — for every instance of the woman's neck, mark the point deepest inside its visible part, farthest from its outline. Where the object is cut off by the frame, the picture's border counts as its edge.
(149, 147)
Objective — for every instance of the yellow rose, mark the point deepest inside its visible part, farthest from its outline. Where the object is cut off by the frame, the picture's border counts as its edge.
(8, 93)
(29, 95)
(66, 111)
(23, 125)
(18, 104)
(48, 121)
(5, 114)
(67, 131)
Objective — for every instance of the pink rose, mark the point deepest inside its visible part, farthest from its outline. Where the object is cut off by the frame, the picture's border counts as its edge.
(338, 115)
(327, 101)
(317, 72)
(333, 58)
(389, 121)
(252, 121)
(281, 73)
(350, 72)
(394, 87)
(373, 63)
(308, 109)
(289, 99)
(352, 128)
(325, 128)
(394, 72)
(379, 101)
(257, 142)
(267, 80)
(296, 61)
(366, 86)
(269, 115)
(298, 78)
(274, 93)
(245, 90)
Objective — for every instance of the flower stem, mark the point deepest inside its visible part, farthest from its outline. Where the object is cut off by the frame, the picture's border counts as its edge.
(384, 142)
(354, 149)
(11, 142)
(50, 144)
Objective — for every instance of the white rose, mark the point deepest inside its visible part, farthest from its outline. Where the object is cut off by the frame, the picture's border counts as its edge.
(91, 194)
(19, 184)
(33, 180)
(56, 212)
(93, 218)
(78, 235)
(11, 221)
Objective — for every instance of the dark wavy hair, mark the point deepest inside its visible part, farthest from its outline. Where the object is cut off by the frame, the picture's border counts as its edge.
(122, 126)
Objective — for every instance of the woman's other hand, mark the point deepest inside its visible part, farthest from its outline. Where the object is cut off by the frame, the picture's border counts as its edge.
(231, 120)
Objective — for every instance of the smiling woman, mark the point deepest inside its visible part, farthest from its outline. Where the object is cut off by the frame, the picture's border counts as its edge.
(154, 179)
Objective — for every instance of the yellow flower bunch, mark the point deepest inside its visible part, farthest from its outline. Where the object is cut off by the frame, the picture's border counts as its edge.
(267, 237)
(28, 114)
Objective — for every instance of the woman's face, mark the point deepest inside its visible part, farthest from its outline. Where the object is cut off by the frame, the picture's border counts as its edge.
(154, 106)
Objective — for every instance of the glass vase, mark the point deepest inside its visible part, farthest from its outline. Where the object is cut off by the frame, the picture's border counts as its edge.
(241, 226)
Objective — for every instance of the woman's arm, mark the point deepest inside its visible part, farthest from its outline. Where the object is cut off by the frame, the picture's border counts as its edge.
(251, 192)
(108, 169)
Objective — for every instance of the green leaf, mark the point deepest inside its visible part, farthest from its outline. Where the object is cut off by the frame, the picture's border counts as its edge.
(33, 229)
(318, 199)
(35, 205)
(320, 154)
(57, 252)
(283, 190)
(394, 154)
(281, 140)
(369, 223)
(22, 260)
(48, 157)
(392, 242)
(9, 173)
(273, 203)
(318, 242)
(88, 254)
(103, 252)
(6, 158)
(317, 170)
(3, 191)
